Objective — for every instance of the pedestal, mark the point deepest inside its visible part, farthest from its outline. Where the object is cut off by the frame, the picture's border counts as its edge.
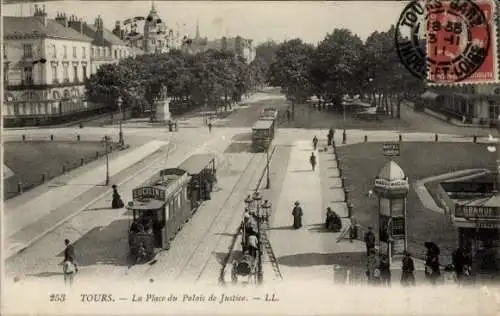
(163, 110)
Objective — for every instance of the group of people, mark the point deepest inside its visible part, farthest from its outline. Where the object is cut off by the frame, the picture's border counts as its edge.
(378, 267)
(250, 233)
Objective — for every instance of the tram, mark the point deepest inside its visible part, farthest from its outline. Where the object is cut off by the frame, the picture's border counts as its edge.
(262, 135)
(270, 114)
(166, 202)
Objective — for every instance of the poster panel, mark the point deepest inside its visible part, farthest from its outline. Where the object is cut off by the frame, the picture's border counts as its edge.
(384, 206)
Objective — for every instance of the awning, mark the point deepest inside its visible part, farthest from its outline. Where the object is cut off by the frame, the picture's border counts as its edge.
(429, 95)
(148, 205)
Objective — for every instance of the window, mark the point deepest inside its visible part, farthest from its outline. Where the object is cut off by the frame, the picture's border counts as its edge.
(65, 51)
(84, 52)
(28, 75)
(27, 50)
(93, 52)
(103, 52)
(66, 72)
(54, 51)
(54, 73)
(75, 73)
(84, 68)
(74, 51)
(109, 52)
(56, 95)
(4, 51)
(116, 54)
(98, 52)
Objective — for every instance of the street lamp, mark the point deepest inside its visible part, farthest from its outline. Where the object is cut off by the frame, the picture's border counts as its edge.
(119, 103)
(268, 177)
(257, 198)
(107, 140)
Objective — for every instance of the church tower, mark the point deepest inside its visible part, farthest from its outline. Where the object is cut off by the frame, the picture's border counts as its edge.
(154, 32)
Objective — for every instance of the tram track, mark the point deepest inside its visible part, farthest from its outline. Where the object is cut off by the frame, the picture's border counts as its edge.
(205, 240)
(235, 214)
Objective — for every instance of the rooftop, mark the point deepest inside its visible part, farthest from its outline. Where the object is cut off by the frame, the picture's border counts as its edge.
(109, 37)
(22, 27)
(391, 171)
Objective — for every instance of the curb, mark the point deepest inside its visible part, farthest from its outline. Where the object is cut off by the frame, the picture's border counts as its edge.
(23, 247)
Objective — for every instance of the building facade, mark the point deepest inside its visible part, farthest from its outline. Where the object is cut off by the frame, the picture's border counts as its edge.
(156, 37)
(106, 47)
(238, 45)
(45, 65)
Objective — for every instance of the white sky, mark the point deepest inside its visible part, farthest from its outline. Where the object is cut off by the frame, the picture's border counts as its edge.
(308, 20)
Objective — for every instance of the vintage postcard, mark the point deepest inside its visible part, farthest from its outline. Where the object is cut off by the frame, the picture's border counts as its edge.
(240, 157)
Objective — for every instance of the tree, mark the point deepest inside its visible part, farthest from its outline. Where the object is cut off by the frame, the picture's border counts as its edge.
(291, 70)
(335, 65)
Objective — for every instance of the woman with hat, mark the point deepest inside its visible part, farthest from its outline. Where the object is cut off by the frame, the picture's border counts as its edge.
(297, 215)
(117, 200)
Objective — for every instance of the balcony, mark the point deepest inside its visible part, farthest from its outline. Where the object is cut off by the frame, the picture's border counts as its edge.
(42, 86)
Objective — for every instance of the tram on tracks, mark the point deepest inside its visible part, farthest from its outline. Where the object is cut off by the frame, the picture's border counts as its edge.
(166, 202)
(264, 130)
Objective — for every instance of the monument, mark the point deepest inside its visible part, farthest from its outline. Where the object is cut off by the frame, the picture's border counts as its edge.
(391, 187)
(162, 113)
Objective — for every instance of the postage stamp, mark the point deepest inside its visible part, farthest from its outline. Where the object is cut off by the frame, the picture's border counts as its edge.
(449, 42)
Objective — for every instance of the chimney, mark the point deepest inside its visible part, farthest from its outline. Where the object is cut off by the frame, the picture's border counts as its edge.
(62, 19)
(118, 29)
(99, 30)
(40, 14)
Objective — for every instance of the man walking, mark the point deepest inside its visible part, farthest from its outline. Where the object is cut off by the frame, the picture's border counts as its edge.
(315, 142)
(369, 240)
(408, 268)
(69, 253)
(312, 160)
(210, 126)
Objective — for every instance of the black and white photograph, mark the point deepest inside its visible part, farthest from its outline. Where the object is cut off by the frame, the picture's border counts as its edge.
(250, 157)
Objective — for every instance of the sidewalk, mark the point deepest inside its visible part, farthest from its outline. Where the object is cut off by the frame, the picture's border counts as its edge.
(309, 253)
(19, 217)
(99, 233)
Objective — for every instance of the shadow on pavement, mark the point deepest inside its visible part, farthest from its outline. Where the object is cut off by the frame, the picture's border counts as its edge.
(242, 137)
(240, 147)
(308, 170)
(224, 234)
(282, 228)
(222, 256)
(45, 274)
(312, 259)
(104, 245)
(320, 228)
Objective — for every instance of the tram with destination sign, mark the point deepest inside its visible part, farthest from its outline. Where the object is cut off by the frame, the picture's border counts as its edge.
(166, 202)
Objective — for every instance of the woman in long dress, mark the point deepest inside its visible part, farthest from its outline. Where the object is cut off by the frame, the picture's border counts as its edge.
(297, 216)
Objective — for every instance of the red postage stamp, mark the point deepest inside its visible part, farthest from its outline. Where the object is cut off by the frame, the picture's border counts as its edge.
(461, 42)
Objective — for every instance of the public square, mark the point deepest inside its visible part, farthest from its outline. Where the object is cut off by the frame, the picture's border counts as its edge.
(151, 151)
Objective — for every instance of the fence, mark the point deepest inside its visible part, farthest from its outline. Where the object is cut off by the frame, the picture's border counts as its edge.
(14, 186)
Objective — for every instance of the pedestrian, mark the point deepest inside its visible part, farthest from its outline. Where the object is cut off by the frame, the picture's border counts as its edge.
(353, 230)
(288, 115)
(297, 215)
(385, 271)
(432, 269)
(315, 142)
(372, 267)
(210, 126)
(117, 200)
(312, 160)
(369, 240)
(69, 270)
(69, 253)
(331, 133)
(408, 270)
(253, 245)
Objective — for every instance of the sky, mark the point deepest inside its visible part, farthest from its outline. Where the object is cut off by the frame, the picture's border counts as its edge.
(260, 21)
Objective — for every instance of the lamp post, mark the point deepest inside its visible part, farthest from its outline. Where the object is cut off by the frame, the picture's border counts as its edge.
(268, 177)
(119, 103)
(257, 198)
(106, 140)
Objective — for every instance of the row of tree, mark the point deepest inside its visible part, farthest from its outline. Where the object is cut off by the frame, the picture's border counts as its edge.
(212, 78)
(343, 65)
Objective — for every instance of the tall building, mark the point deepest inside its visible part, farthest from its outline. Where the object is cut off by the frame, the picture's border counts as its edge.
(240, 46)
(45, 64)
(156, 36)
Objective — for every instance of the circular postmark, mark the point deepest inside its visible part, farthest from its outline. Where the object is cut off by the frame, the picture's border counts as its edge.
(442, 41)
